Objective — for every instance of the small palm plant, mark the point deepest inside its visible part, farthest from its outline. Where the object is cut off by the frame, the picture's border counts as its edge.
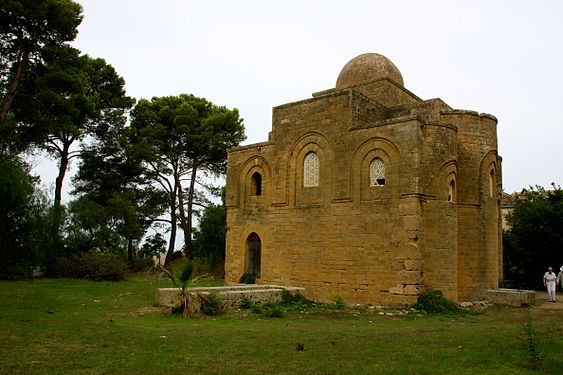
(182, 283)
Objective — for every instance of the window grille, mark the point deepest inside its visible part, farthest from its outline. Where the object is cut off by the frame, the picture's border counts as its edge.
(311, 170)
(377, 173)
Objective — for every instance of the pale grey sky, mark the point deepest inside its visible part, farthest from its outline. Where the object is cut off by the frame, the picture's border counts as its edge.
(498, 57)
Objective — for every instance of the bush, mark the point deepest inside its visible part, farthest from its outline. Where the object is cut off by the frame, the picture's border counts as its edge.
(245, 303)
(211, 304)
(295, 302)
(434, 301)
(339, 302)
(141, 264)
(273, 311)
(93, 266)
(247, 278)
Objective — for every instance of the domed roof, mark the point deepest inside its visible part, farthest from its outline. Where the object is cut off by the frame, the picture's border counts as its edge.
(368, 67)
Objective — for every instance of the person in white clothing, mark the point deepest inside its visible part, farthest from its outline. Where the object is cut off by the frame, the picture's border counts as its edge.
(560, 277)
(549, 281)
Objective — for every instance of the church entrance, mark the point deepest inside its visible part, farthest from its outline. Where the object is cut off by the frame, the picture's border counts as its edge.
(254, 246)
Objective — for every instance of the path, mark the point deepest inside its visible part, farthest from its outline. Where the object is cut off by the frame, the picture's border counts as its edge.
(541, 301)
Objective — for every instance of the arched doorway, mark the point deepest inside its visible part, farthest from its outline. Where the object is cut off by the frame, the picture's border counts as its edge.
(254, 251)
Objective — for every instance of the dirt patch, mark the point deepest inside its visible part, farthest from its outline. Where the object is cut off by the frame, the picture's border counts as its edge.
(144, 311)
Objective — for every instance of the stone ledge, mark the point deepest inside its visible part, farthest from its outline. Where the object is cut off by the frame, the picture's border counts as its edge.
(508, 297)
(230, 296)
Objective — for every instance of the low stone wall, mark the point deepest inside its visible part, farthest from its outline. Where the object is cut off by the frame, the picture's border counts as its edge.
(230, 296)
(508, 297)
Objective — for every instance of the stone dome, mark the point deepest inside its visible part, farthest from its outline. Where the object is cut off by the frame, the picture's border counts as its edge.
(368, 67)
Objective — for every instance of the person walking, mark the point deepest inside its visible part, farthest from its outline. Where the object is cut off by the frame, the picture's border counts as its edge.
(560, 278)
(549, 281)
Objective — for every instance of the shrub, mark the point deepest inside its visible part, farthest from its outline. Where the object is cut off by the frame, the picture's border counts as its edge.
(247, 278)
(339, 302)
(295, 302)
(211, 304)
(141, 264)
(93, 266)
(245, 303)
(434, 301)
(273, 311)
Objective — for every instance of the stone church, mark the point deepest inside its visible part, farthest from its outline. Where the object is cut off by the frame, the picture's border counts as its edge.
(368, 192)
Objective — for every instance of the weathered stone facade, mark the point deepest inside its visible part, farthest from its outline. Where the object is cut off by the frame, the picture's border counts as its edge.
(368, 192)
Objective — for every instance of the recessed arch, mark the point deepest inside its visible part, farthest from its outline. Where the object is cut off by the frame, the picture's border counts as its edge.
(316, 191)
(376, 159)
(255, 182)
(254, 254)
(445, 186)
(492, 182)
(490, 186)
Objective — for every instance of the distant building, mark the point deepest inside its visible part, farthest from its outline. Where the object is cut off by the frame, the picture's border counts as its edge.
(506, 207)
(368, 192)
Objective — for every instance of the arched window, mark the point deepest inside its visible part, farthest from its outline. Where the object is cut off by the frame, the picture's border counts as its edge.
(254, 247)
(311, 170)
(256, 184)
(377, 173)
(451, 192)
(492, 183)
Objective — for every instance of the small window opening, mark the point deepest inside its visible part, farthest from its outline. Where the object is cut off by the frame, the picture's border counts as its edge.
(377, 172)
(256, 184)
(451, 191)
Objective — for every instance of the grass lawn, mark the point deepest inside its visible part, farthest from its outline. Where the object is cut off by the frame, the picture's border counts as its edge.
(82, 327)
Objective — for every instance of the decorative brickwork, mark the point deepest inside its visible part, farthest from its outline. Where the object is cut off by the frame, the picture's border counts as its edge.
(402, 194)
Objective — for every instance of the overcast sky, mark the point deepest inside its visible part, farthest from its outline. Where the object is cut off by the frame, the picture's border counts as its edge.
(498, 57)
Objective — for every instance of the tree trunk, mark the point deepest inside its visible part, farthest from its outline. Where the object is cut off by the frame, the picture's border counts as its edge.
(188, 236)
(173, 219)
(182, 211)
(12, 89)
(63, 165)
(130, 254)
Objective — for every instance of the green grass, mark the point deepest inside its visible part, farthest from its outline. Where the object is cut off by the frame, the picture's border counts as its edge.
(81, 327)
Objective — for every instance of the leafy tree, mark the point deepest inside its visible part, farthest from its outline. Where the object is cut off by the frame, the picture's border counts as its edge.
(22, 220)
(72, 97)
(209, 238)
(112, 180)
(153, 246)
(535, 238)
(27, 29)
(178, 137)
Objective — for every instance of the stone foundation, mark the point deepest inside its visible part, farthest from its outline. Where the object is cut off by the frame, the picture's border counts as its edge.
(229, 296)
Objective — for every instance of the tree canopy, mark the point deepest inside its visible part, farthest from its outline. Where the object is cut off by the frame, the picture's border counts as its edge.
(28, 28)
(68, 99)
(178, 137)
(535, 238)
